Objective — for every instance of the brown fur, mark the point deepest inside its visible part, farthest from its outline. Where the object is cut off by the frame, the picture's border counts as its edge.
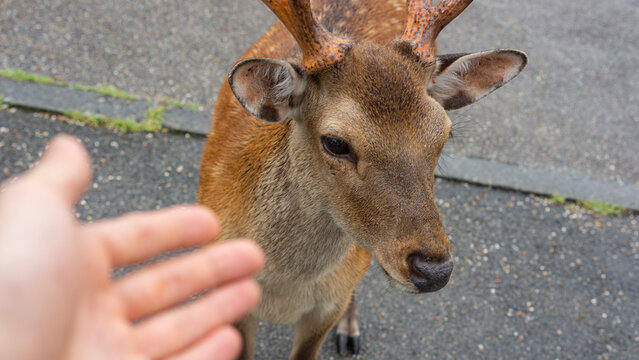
(318, 217)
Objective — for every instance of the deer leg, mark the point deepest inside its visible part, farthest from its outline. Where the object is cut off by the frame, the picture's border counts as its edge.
(312, 328)
(248, 328)
(348, 330)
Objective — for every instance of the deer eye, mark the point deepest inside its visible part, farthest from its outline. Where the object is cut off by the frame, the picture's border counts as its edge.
(337, 147)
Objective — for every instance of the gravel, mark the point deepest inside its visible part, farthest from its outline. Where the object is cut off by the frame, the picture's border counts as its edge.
(532, 280)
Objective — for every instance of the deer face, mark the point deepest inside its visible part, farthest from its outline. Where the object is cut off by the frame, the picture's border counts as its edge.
(378, 135)
(371, 129)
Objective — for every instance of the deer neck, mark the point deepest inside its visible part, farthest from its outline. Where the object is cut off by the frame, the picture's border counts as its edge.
(299, 237)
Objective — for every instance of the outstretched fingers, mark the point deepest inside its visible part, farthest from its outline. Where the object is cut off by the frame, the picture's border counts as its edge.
(178, 329)
(168, 283)
(139, 236)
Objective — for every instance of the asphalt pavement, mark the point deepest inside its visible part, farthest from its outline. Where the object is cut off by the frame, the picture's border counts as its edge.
(532, 280)
(573, 110)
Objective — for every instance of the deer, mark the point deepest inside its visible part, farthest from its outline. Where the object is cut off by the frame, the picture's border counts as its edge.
(323, 147)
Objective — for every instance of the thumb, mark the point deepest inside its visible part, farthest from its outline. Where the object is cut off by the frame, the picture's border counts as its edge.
(64, 168)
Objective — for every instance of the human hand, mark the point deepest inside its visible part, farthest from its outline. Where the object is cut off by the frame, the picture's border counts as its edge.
(58, 299)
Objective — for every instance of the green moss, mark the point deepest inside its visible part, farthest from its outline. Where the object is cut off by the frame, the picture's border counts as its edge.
(124, 125)
(600, 207)
(119, 124)
(150, 125)
(557, 199)
(1, 100)
(176, 104)
(89, 119)
(20, 75)
(154, 113)
(152, 119)
(108, 90)
(591, 206)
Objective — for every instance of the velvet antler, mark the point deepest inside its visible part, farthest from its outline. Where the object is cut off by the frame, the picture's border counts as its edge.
(425, 21)
(320, 49)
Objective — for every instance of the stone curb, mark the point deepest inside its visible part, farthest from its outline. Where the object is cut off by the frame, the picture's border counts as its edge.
(58, 99)
(537, 181)
(484, 172)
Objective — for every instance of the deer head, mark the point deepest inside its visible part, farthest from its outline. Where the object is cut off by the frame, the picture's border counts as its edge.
(369, 123)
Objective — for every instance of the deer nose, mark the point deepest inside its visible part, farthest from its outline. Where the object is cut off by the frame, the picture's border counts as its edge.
(429, 275)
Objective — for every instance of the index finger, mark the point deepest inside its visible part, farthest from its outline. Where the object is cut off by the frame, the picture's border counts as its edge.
(139, 236)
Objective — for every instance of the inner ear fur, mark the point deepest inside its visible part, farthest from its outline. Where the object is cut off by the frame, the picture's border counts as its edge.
(462, 79)
(270, 89)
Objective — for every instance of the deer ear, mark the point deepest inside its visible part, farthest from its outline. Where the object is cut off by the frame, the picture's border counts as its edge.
(270, 89)
(462, 79)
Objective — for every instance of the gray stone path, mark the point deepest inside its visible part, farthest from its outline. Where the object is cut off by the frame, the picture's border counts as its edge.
(573, 110)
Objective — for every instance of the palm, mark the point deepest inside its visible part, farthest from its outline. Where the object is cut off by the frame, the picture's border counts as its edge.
(101, 321)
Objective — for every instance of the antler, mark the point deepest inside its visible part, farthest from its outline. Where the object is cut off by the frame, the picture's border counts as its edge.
(425, 21)
(320, 49)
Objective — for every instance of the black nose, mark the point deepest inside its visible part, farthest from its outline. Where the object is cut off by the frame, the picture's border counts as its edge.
(429, 275)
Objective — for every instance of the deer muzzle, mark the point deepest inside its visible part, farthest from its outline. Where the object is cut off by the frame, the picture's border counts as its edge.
(429, 275)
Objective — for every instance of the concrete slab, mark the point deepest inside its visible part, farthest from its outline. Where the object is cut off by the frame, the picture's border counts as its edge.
(537, 181)
(59, 99)
(573, 110)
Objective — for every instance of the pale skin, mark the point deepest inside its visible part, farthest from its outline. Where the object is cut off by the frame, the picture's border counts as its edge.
(58, 300)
